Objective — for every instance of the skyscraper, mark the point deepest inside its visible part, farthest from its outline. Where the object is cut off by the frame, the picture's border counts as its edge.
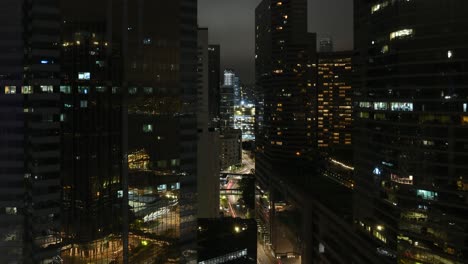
(162, 128)
(208, 138)
(76, 109)
(410, 143)
(30, 132)
(334, 103)
(286, 77)
(214, 80)
(226, 104)
(91, 129)
(285, 72)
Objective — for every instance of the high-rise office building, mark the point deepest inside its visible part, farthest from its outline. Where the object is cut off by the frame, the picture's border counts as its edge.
(244, 119)
(226, 104)
(91, 139)
(30, 132)
(229, 76)
(285, 72)
(113, 88)
(162, 128)
(285, 76)
(230, 148)
(334, 105)
(214, 81)
(208, 138)
(411, 128)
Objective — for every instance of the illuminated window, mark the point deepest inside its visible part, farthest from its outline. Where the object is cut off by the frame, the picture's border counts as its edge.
(148, 90)
(83, 104)
(66, 89)
(465, 120)
(10, 89)
(175, 162)
(402, 180)
(84, 76)
(132, 90)
(377, 7)
(380, 106)
(365, 104)
(26, 90)
(47, 88)
(401, 33)
(11, 210)
(428, 143)
(402, 106)
(385, 49)
(146, 41)
(426, 195)
(147, 128)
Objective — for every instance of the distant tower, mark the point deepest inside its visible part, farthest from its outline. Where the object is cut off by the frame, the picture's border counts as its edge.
(229, 77)
(226, 104)
(326, 44)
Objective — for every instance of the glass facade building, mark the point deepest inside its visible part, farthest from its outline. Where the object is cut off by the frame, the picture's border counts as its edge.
(411, 133)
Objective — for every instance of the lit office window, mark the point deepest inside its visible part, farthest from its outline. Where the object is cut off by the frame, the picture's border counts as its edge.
(10, 89)
(148, 90)
(47, 88)
(66, 89)
(147, 128)
(401, 34)
(26, 90)
(132, 90)
(84, 76)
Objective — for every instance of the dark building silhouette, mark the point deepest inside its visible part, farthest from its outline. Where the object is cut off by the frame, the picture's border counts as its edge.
(410, 142)
(285, 76)
(30, 149)
(162, 129)
(98, 149)
(214, 80)
(285, 54)
(304, 211)
(91, 132)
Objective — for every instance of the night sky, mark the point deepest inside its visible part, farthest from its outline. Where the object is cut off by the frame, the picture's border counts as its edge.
(231, 24)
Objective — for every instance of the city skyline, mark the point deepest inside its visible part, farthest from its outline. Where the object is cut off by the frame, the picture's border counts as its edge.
(237, 132)
(231, 25)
